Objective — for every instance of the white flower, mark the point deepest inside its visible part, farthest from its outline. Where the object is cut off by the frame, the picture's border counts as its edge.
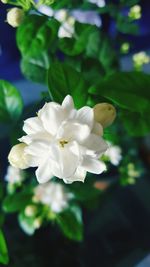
(114, 154)
(68, 19)
(67, 28)
(99, 3)
(14, 175)
(64, 142)
(53, 195)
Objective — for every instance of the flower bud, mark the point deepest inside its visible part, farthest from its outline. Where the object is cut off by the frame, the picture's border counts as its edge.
(37, 223)
(105, 114)
(15, 16)
(17, 156)
(30, 211)
(4, 1)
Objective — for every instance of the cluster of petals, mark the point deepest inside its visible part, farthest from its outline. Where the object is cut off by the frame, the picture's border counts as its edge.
(52, 194)
(64, 142)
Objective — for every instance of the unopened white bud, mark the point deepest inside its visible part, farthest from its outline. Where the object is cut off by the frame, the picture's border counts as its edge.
(37, 223)
(4, 1)
(15, 16)
(17, 157)
(105, 114)
(30, 210)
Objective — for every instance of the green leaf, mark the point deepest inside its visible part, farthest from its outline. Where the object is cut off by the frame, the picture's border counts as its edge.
(84, 34)
(126, 26)
(11, 104)
(129, 91)
(41, 35)
(137, 124)
(35, 68)
(70, 222)
(36, 34)
(64, 80)
(107, 55)
(4, 259)
(17, 201)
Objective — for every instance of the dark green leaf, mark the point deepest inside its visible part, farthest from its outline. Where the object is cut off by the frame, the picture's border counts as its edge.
(137, 124)
(70, 222)
(41, 35)
(17, 201)
(11, 104)
(126, 26)
(128, 90)
(36, 34)
(3, 249)
(64, 80)
(35, 69)
(85, 35)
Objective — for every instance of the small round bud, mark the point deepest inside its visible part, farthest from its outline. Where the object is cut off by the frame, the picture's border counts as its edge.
(37, 223)
(105, 114)
(30, 211)
(4, 1)
(17, 156)
(15, 17)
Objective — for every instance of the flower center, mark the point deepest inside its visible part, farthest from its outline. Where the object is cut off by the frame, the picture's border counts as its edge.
(63, 143)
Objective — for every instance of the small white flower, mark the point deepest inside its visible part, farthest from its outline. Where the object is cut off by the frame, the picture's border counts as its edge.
(53, 195)
(67, 28)
(14, 175)
(99, 3)
(64, 142)
(114, 154)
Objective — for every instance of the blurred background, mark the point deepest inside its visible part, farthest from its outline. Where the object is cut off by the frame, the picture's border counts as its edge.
(118, 233)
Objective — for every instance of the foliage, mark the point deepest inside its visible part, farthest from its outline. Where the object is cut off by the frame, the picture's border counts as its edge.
(86, 65)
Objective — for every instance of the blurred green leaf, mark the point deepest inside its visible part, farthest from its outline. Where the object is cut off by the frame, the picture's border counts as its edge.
(34, 70)
(4, 259)
(41, 35)
(126, 26)
(17, 201)
(26, 223)
(70, 222)
(126, 89)
(137, 124)
(11, 104)
(129, 91)
(84, 34)
(64, 80)
(36, 34)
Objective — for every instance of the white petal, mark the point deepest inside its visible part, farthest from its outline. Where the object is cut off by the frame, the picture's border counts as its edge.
(73, 131)
(79, 176)
(43, 173)
(52, 116)
(37, 148)
(93, 165)
(32, 125)
(68, 103)
(41, 136)
(66, 159)
(97, 129)
(85, 115)
(96, 144)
